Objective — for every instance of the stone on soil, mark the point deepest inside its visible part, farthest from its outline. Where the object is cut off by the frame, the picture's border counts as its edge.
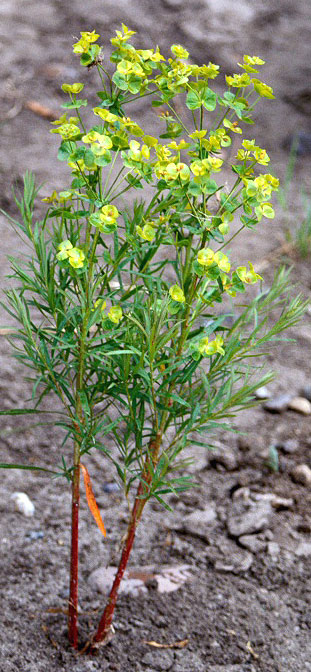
(224, 456)
(252, 543)
(247, 517)
(136, 579)
(239, 562)
(23, 504)
(226, 556)
(158, 660)
(186, 661)
(288, 446)
(199, 523)
(301, 474)
(306, 392)
(303, 549)
(300, 405)
(262, 393)
(278, 404)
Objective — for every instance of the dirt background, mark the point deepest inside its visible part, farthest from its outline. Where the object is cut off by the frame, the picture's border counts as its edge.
(241, 610)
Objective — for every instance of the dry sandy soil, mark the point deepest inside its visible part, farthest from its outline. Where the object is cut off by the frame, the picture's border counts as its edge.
(241, 610)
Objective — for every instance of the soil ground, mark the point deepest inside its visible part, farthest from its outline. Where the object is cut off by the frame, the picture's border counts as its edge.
(237, 619)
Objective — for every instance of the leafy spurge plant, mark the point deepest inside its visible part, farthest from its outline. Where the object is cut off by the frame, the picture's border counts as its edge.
(117, 305)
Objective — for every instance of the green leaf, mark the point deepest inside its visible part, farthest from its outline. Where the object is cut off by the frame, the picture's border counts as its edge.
(30, 468)
(75, 105)
(120, 81)
(23, 411)
(193, 100)
(209, 99)
(64, 151)
(194, 189)
(103, 160)
(201, 95)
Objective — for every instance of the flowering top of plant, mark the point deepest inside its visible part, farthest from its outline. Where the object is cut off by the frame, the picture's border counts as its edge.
(190, 212)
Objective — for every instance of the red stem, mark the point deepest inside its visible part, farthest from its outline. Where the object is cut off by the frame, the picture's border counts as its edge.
(102, 634)
(73, 598)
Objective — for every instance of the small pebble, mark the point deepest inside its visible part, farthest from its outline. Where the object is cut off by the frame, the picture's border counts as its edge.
(159, 660)
(33, 535)
(23, 504)
(306, 392)
(262, 393)
(301, 474)
(252, 543)
(288, 446)
(300, 405)
(111, 487)
(303, 549)
(273, 549)
(277, 404)
(224, 456)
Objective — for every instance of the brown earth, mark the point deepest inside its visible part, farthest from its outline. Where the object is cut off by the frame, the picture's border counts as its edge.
(237, 619)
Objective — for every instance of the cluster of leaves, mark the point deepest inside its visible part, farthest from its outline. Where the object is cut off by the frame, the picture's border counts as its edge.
(115, 331)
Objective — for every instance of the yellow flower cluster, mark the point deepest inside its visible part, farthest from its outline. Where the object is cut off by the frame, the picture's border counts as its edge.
(251, 150)
(105, 219)
(204, 166)
(147, 232)
(115, 313)
(177, 294)
(209, 348)
(74, 255)
(83, 45)
(206, 257)
(249, 276)
(138, 152)
(238, 81)
(249, 62)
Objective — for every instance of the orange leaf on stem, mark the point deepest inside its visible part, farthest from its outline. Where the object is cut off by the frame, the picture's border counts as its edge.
(91, 500)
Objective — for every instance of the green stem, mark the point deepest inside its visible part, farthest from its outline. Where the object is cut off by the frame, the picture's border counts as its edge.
(74, 562)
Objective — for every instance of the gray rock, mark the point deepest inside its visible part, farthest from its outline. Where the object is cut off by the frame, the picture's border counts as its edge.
(301, 474)
(278, 404)
(306, 392)
(300, 405)
(186, 661)
(199, 523)
(288, 446)
(247, 517)
(273, 549)
(262, 393)
(252, 543)
(34, 535)
(237, 563)
(111, 487)
(159, 660)
(227, 668)
(224, 456)
(277, 502)
(303, 549)
(226, 556)
(166, 579)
